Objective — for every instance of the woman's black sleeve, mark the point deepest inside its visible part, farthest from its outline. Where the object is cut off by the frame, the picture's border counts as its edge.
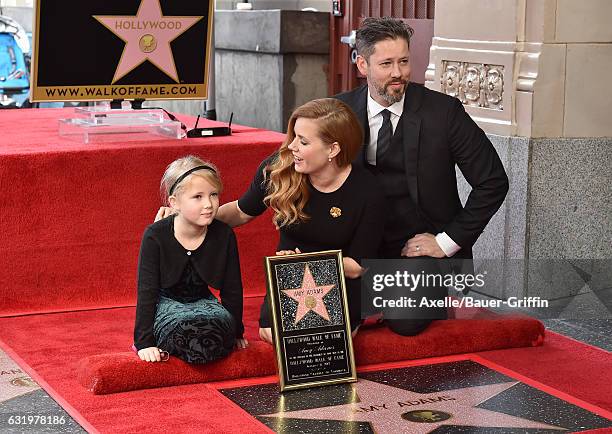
(252, 201)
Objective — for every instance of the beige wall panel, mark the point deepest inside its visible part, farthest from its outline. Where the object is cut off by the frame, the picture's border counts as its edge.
(475, 53)
(549, 100)
(588, 94)
(496, 19)
(540, 20)
(584, 21)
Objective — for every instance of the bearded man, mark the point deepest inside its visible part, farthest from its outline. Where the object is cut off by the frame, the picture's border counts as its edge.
(414, 138)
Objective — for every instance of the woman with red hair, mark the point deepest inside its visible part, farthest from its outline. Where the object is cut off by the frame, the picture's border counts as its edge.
(321, 201)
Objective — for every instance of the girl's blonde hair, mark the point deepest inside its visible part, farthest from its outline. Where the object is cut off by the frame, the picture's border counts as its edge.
(181, 166)
(287, 190)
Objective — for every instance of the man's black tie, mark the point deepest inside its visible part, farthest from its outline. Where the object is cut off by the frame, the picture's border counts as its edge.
(384, 135)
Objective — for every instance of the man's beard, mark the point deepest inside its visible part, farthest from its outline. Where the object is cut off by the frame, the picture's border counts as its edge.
(392, 97)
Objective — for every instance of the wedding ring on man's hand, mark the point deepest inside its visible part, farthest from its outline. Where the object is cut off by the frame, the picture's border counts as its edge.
(418, 248)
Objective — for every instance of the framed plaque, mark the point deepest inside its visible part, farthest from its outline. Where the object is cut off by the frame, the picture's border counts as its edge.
(310, 319)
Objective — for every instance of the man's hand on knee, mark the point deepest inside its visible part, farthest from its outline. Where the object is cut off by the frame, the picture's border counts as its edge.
(423, 245)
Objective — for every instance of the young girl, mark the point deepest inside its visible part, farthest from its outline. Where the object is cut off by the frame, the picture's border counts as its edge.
(180, 256)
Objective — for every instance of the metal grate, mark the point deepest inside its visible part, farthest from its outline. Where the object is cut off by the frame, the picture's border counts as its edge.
(423, 9)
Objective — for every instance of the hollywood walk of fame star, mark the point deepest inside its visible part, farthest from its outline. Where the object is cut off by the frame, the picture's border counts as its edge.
(15, 382)
(309, 297)
(391, 409)
(147, 36)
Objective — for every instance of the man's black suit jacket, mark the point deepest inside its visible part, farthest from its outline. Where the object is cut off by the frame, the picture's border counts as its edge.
(438, 134)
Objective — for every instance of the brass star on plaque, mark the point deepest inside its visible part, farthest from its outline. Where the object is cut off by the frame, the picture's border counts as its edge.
(311, 302)
(335, 212)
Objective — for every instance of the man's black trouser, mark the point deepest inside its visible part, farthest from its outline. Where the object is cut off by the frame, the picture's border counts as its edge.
(412, 321)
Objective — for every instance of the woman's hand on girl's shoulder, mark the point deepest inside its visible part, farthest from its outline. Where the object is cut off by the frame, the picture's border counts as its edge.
(150, 354)
(242, 343)
(163, 212)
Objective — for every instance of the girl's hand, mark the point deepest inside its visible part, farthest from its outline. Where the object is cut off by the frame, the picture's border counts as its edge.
(163, 212)
(150, 354)
(288, 252)
(266, 335)
(242, 343)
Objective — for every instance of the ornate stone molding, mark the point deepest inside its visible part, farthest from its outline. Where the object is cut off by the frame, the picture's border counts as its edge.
(475, 84)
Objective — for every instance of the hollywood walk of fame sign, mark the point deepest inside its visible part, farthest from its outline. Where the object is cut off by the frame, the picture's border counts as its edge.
(311, 325)
(121, 49)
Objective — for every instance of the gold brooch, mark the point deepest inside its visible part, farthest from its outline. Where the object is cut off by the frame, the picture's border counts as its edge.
(335, 212)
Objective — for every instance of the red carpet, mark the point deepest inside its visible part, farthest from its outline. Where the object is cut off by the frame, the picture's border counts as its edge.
(123, 371)
(76, 212)
(52, 345)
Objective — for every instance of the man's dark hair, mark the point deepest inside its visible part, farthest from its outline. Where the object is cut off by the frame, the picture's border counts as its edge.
(374, 30)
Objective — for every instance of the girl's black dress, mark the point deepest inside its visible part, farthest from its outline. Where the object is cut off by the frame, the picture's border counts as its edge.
(176, 310)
